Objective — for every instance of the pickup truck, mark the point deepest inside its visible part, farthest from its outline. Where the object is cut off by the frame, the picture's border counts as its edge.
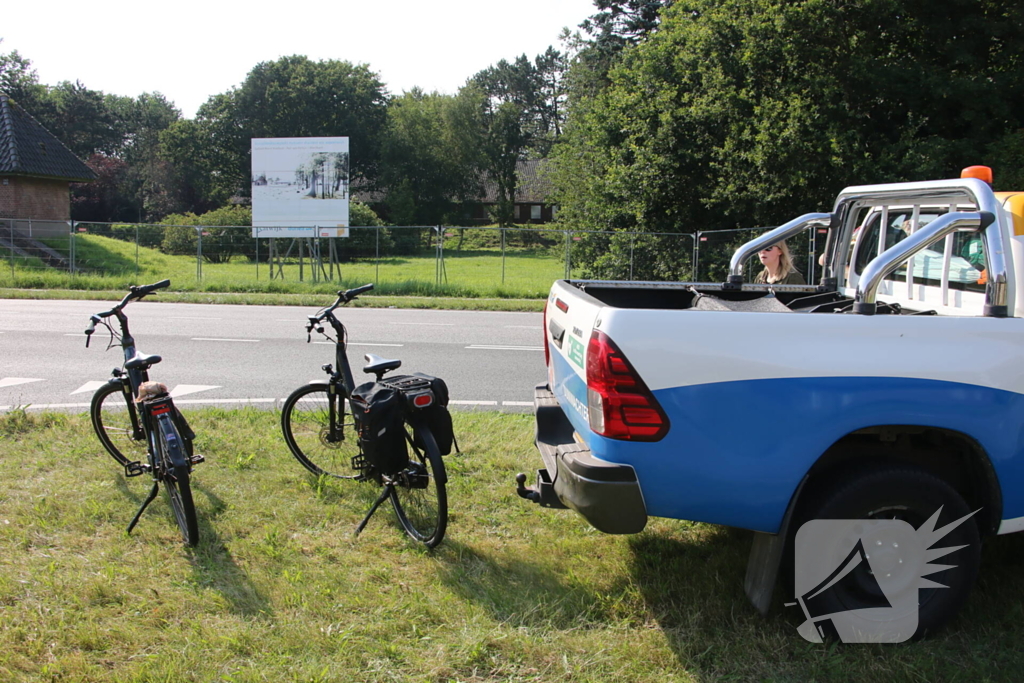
(891, 388)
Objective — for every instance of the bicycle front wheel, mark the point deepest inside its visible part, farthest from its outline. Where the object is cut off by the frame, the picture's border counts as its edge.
(112, 412)
(306, 423)
(176, 483)
(419, 496)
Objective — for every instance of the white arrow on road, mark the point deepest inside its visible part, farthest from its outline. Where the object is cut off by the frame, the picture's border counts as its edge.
(185, 389)
(15, 381)
(88, 386)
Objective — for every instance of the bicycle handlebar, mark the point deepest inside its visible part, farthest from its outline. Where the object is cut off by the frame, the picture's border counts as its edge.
(344, 296)
(134, 292)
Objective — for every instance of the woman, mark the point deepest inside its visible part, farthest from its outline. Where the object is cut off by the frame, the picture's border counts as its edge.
(778, 267)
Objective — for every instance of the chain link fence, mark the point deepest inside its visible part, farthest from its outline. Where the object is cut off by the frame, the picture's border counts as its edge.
(427, 260)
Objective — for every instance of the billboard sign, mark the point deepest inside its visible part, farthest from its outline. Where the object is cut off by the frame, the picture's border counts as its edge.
(301, 185)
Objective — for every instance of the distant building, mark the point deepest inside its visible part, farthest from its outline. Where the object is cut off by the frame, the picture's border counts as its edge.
(35, 172)
(532, 200)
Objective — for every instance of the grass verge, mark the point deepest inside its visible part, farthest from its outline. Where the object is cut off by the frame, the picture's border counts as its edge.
(279, 590)
(284, 299)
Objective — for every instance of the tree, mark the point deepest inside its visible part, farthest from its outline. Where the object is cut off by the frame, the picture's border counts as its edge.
(19, 80)
(431, 157)
(297, 97)
(735, 113)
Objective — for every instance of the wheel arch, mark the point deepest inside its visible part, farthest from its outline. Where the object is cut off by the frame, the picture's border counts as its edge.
(953, 456)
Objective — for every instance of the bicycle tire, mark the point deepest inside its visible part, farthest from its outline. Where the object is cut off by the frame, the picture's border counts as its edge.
(111, 420)
(177, 486)
(305, 421)
(420, 496)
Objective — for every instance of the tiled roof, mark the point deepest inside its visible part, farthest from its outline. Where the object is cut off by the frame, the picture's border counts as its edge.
(533, 186)
(28, 149)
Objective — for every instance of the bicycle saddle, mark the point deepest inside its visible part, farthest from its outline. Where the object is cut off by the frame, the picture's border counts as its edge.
(378, 365)
(142, 361)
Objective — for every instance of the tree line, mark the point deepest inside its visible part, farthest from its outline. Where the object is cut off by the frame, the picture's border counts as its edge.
(659, 116)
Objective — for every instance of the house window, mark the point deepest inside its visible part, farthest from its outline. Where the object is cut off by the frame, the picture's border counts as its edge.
(535, 212)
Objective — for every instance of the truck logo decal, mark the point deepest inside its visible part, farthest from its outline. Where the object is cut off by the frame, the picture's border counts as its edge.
(576, 351)
(579, 405)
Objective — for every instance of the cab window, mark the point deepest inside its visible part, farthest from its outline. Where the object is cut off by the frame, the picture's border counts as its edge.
(966, 265)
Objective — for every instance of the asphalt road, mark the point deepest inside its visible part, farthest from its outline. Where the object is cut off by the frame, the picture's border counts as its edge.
(233, 355)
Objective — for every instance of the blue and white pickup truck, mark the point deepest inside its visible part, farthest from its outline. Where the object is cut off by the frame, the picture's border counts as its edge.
(869, 394)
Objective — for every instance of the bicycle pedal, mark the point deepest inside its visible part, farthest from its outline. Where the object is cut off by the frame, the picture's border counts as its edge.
(196, 459)
(134, 469)
(359, 462)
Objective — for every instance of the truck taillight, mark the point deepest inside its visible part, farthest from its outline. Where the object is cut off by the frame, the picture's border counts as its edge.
(619, 403)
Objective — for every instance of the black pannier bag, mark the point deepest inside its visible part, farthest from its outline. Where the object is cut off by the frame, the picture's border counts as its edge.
(377, 409)
(437, 416)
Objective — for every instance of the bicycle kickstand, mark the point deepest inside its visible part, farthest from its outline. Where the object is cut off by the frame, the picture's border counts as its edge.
(388, 488)
(145, 504)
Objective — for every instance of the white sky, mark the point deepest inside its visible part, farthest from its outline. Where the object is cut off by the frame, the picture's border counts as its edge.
(189, 50)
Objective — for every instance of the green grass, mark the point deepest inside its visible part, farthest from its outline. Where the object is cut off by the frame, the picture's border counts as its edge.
(111, 264)
(279, 590)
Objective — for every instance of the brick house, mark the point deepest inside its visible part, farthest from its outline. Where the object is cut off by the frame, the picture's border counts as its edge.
(36, 170)
(532, 200)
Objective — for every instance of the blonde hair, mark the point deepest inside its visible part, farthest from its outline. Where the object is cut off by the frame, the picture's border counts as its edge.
(785, 263)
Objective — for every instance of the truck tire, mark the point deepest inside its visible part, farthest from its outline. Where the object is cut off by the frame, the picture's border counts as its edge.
(912, 495)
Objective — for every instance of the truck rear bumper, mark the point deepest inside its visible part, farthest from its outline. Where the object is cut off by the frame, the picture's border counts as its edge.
(606, 494)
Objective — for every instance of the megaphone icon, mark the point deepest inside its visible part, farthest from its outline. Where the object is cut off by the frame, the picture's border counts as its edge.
(852, 579)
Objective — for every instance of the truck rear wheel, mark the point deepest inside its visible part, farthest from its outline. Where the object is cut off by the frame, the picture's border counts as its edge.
(913, 495)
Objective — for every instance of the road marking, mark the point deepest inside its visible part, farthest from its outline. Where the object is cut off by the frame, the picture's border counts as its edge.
(244, 401)
(524, 327)
(435, 324)
(227, 400)
(488, 347)
(251, 341)
(15, 381)
(88, 386)
(185, 389)
(359, 343)
(46, 406)
(74, 334)
(189, 317)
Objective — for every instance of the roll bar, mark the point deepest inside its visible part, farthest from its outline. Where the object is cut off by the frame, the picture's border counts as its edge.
(937, 192)
(793, 227)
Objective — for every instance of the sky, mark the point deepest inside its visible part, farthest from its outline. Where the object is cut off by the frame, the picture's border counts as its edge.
(190, 50)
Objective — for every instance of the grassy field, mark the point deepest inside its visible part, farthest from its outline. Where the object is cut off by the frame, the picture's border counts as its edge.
(280, 590)
(112, 264)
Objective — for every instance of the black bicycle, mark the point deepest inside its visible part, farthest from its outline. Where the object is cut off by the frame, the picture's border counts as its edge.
(138, 424)
(392, 432)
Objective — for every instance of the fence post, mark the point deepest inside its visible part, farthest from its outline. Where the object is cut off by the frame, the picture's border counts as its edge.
(632, 235)
(567, 254)
(136, 250)
(10, 224)
(257, 231)
(199, 253)
(71, 248)
(376, 277)
(502, 230)
(696, 256)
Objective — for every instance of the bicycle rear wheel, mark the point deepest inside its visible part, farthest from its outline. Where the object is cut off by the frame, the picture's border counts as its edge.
(306, 423)
(176, 481)
(111, 412)
(419, 496)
